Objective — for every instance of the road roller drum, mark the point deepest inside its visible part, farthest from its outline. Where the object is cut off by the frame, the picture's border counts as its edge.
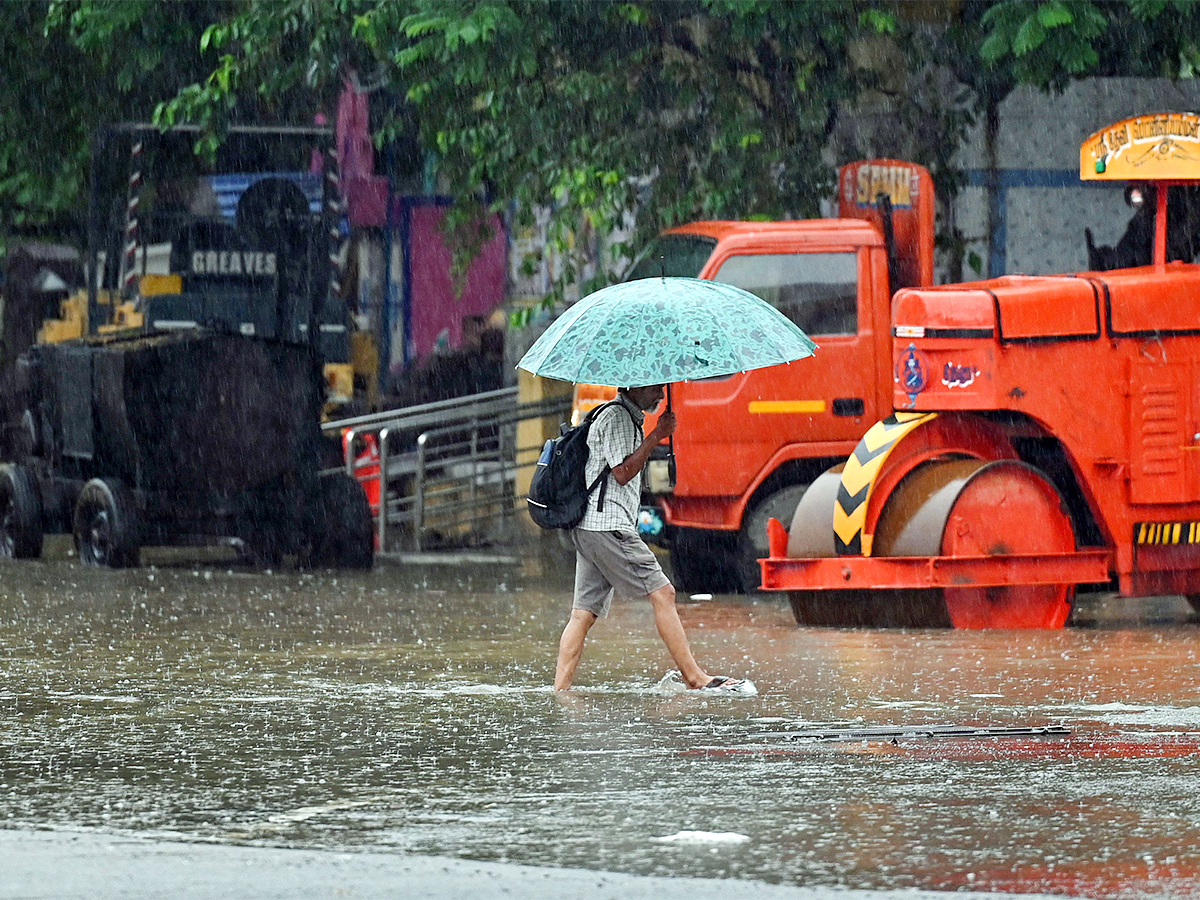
(945, 508)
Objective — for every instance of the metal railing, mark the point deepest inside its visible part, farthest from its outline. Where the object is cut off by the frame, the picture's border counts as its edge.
(449, 466)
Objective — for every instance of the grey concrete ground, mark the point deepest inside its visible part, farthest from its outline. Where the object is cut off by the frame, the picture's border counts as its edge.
(63, 865)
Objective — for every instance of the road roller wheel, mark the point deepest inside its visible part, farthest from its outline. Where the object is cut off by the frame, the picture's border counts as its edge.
(944, 507)
(811, 533)
(869, 609)
(971, 507)
(811, 537)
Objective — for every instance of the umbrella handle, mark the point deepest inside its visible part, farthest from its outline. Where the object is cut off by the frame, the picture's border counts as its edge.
(670, 444)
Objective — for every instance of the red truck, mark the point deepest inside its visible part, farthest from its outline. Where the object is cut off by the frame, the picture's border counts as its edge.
(749, 445)
(1045, 435)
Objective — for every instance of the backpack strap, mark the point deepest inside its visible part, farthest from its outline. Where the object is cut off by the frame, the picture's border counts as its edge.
(602, 478)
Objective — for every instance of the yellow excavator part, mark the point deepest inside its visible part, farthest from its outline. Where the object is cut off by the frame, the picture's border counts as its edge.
(128, 315)
(73, 315)
(72, 321)
(125, 316)
(154, 285)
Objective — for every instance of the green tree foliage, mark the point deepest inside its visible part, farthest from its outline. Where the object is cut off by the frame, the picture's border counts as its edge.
(68, 67)
(276, 63)
(675, 110)
(992, 47)
(42, 156)
(680, 110)
(1047, 43)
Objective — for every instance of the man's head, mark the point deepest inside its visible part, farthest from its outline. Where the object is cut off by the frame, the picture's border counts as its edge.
(645, 398)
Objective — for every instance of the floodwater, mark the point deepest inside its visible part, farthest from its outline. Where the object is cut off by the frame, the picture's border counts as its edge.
(407, 709)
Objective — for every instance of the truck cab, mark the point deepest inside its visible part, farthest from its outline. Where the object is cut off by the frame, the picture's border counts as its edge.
(748, 445)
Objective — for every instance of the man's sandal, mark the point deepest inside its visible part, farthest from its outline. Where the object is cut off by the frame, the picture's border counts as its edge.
(723, 684)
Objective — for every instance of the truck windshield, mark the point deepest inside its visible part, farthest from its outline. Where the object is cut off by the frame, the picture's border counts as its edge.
(673, 256)
(817, 291)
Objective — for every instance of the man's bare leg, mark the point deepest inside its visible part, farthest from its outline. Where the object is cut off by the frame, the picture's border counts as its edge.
(670, 629)
(570, 647)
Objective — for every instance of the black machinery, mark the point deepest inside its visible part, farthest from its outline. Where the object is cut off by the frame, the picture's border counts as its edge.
(189, 409)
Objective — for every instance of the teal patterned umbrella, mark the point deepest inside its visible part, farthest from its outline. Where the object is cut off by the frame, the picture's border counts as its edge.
(659, 330)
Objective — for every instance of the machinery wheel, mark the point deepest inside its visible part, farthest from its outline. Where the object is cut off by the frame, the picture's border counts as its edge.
(700, 561)
(811, 537)
(20, 513)
(262, 553)
(944, 507)
(345, 533)
(752, 538)
(969, 507)
(106, 526)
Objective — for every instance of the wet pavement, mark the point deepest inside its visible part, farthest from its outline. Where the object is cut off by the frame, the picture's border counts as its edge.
(408, 710)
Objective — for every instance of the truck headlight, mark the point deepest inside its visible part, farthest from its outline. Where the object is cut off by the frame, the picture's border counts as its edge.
(658, 476)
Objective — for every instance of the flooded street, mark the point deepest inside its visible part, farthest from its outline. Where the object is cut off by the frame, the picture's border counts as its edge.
(408, 709)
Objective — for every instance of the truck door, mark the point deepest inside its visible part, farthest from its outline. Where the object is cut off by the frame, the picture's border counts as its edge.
(732, 426)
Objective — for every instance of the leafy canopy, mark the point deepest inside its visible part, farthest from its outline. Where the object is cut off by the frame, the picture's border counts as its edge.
(68, 67)
(680, 110)
(673, 110)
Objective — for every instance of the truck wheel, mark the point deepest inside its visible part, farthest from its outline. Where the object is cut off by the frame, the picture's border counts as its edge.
(752, 538)
(20, 513)
(106, 524)
(345, 534)
(702, 561)
(262, 553)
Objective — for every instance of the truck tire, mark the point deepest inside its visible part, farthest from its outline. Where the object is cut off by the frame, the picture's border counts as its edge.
(702, 561)
(752, 537)
(20, 513)
(263, 552)
(106, 525)
(344, 537)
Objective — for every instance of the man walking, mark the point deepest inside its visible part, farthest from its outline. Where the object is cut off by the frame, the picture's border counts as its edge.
(609, 554)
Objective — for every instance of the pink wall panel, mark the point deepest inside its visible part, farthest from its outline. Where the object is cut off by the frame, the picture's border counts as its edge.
(434, 304)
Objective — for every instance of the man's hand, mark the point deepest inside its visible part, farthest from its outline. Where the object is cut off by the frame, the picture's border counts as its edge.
(665, 427)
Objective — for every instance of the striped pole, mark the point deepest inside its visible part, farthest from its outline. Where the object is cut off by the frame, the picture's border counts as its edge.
(128, 278)
(334, 208)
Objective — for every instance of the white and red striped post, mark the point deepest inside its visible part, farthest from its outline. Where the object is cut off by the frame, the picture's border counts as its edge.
(334, 208)
(128, 278)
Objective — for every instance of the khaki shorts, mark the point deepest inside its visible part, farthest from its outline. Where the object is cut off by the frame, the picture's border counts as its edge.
(612, 560)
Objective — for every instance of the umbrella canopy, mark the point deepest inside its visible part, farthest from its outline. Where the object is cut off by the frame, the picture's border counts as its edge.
(659, 330)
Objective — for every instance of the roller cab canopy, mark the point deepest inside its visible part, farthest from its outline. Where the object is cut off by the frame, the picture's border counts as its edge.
(1159, 150)
(1121, 303)
(1159, 147)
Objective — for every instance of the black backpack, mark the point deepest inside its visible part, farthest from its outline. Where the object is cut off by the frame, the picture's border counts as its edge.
(558, 492)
